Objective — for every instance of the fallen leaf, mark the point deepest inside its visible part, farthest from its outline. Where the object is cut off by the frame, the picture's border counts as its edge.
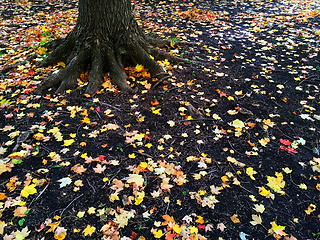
(20, 212)
(89, 230)
(158, 233)
(28, 190)
(256, 220)
(234, 218)
(250, 172)
(311, 208)
(64, 181)
(137, 179)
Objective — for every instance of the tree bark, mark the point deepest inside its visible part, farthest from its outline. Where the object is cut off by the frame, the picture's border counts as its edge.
(106, 35)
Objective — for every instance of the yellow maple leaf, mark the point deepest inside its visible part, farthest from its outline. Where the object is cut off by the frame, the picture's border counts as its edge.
(139, 198)
(256, 220)
(264, 141)
(156, 111)
(139, 68)
(91, 210)
(193, 230)
(264, 192)
(158, 234)
(277, 229)
(28, 190)
(143, 165)
(86, 120)
(113, 197)
(311, 208)
(238, 123)
(268, 122)
(177, 228)
(148, 145)
(132, 155)
(80, 214)
(234, 218)
(171, 123)
(139, 137)
(259, 208)
(200, 220)
(89, 230)
(224, 179)
(303, 186)
(250, 172)
(276, 183)
(68, 142)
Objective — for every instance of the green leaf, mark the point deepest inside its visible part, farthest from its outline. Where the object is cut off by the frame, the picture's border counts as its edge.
(21, 222)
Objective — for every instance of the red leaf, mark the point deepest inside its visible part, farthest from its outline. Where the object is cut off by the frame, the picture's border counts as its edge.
(285, 142)
(200, 226)
(291, 151)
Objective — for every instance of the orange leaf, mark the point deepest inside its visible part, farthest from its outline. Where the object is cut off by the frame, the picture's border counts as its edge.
(78, 168)
(20, 212)
(200, 220)
(2, 196)
(235, 218)
(167, 219)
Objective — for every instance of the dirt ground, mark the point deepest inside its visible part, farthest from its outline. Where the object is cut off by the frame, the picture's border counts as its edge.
(227, 148)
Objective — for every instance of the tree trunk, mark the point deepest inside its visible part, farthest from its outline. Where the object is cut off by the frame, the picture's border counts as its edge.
(105, 36)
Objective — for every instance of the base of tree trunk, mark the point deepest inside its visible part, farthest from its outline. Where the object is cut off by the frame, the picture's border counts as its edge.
(100, 58)
(105, 38)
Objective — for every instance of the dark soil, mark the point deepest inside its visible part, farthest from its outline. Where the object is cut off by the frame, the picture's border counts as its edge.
(261, 66)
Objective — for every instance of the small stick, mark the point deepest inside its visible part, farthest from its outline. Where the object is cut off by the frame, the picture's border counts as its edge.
(143, 154)
(110, 106)
(39, 194)
(113, 177)
(167, 208)
(94, 190)
(160, 80)
(70, 204)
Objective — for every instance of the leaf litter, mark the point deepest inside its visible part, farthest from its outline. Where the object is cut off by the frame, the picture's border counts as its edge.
(235, 153)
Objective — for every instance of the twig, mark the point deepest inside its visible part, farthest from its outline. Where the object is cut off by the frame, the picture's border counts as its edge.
(98, 114)
(145, 180)
(94, 190)
(70, 204)
(110, 106)
(113, 177)
(246, 189)
(143, 154)
(167, 208)
(165, 77)
(39, 194)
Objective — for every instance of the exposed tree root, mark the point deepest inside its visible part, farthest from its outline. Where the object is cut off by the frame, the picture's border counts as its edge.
(67, 77)
(98, 58)
(61, 53)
